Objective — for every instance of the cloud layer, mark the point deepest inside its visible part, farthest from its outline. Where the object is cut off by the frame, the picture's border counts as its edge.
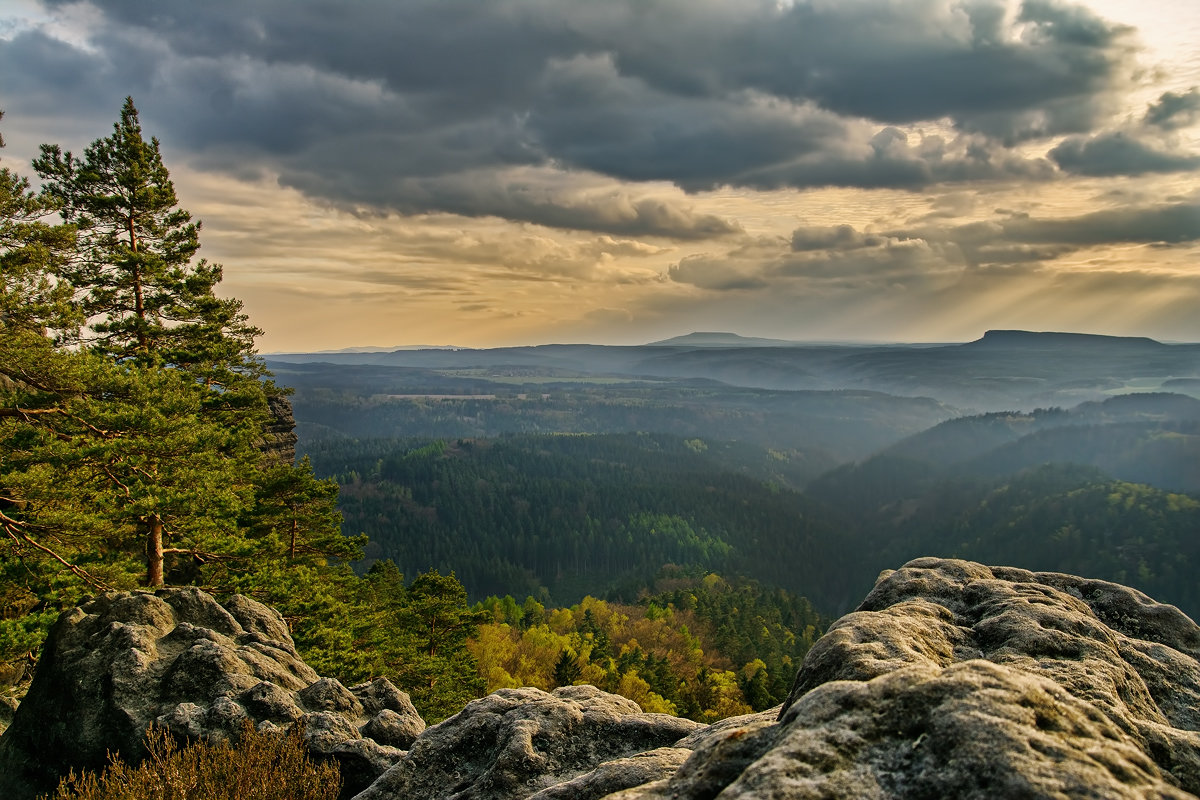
(434, 105)
(627, 142)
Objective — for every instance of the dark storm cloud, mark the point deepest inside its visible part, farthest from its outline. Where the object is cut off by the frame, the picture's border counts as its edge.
(1015, 244)
(485, 193)
(402, 105)
(717, 274)
(49, 76)
(1119, 153)
(1147, 146)
(1020, 239)
(1175, 109)
(852, 259)
(832, 237)
(1170, 223)
(809, 238)
(893, 62)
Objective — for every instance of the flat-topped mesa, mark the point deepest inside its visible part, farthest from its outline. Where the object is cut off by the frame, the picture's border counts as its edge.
(1046, 340)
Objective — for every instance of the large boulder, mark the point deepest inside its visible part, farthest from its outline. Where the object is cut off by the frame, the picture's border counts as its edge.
(575, 742)
(178, 658)
(957, 680)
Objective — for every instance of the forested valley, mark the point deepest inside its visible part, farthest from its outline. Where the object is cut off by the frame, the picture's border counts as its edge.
(1107, 489)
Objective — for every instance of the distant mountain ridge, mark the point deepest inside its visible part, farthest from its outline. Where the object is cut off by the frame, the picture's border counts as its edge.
(370, 349)
(721, 339)
(991, 338)
(1004, 370)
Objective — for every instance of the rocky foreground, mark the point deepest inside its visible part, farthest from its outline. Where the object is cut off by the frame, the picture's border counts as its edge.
(951, 680)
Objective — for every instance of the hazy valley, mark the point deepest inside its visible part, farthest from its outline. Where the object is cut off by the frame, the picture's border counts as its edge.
(807, 467)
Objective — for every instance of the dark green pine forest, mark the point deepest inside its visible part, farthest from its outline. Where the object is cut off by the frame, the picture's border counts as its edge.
(560, 515)
(482, 519)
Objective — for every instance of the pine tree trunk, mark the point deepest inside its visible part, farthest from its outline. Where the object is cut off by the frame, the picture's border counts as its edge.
(154, 552)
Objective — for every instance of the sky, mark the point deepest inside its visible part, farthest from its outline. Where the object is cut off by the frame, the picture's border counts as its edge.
(506, 172)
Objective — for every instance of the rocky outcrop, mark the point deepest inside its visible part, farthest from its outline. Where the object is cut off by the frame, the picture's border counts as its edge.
(950, 680)
(279, 436)
(575, 742)
(123, 661)
(957, 680)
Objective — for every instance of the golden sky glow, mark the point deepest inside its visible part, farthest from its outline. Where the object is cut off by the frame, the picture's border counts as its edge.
(640, 170)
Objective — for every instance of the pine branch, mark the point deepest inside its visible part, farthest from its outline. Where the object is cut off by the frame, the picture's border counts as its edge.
(30, 414)
(203, 556)
(16, 530)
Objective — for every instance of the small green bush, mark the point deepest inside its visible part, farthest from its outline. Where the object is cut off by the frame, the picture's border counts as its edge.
(260, 766)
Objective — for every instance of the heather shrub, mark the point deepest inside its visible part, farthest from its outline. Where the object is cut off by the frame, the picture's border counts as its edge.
(259, 766)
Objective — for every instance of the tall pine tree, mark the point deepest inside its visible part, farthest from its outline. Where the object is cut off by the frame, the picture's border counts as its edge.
(147, 304)
(142, 294)
(133, 412)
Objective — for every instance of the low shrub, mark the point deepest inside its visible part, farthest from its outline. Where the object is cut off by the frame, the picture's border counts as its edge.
(259, 766)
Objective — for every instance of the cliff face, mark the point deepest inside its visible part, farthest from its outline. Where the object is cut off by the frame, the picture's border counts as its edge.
(280, 435)
(950, 680)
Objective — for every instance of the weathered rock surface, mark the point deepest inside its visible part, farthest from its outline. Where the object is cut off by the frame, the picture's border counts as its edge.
(951, 680)
(621, 773)
(957, 680)
(576, 742)
(177, 657)
(279, 438)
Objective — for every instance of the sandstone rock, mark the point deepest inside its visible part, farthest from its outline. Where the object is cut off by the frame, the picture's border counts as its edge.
(957, 680)
(950, 680)
(516, 743)
(360, 761)
(279, 437)
(330, 735)
(1134, 659)
(329, 695)
(123, 661)
(973, 730)
(621, 773)
(381, 694)
(394, 720)
(11, 674)
(395, 730)
(720, 754)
